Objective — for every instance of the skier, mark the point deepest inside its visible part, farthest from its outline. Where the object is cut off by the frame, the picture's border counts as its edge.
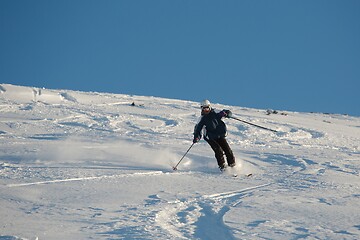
(213, 129)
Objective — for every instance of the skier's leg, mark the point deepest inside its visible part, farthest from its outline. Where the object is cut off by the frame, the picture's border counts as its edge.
(219, 153)
(228, 152)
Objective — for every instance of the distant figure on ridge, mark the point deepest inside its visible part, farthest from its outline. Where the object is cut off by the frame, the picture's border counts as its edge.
(213, 129)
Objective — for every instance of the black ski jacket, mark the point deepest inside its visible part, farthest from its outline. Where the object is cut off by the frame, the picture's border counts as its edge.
(214, 127)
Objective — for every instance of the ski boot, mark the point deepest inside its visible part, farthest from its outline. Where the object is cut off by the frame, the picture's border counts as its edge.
(222, 168)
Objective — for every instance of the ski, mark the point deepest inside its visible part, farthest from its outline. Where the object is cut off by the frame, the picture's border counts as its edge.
(246, 175)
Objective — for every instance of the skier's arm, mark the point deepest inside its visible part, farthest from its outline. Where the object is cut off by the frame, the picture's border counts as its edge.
(197, 131)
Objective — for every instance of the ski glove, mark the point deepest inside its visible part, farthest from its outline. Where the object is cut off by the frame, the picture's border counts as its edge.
(226, 113)
(195, 140)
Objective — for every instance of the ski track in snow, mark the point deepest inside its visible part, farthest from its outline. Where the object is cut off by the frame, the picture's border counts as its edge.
(86, 178)
(100, 167)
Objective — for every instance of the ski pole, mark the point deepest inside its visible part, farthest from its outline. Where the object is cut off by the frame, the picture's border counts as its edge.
(254, 124)
(175, 168)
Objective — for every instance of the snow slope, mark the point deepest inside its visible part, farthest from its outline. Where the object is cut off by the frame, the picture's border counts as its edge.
(87, 165)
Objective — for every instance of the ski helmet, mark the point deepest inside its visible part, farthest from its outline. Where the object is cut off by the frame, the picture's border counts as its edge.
(205, 103)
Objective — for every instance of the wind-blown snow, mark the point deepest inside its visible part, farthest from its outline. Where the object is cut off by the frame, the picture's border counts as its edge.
(87, 165)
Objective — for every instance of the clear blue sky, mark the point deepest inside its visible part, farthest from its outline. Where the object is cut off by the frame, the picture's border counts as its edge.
(280, 54)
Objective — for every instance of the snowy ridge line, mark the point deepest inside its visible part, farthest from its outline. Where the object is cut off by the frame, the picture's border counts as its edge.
(154, 173)
(219, 196)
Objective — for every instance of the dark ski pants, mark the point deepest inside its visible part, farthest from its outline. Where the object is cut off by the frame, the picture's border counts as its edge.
(221, 146)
